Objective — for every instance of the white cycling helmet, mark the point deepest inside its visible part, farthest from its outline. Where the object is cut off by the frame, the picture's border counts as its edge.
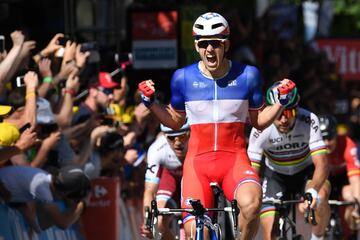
(211, 24)
(171, 132)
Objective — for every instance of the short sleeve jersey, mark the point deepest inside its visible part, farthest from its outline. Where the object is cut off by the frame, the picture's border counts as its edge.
(291, 152)
(160, 155)
(216, 109)
(26, 184)
(344, 157)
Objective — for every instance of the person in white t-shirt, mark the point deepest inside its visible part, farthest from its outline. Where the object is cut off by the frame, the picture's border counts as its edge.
(23, 186)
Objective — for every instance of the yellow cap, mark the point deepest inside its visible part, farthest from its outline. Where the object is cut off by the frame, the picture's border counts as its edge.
(4, 109)
(9, 134)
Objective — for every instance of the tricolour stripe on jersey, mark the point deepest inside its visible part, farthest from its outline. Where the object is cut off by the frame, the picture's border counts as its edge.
(199, 112)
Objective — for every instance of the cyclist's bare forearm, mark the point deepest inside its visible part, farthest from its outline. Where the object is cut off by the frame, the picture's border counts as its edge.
(355, 186)
(321, 171)
(149, 194)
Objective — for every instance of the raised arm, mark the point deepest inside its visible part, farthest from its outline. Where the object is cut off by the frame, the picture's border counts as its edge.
(31, 82)
(166, 114)
(7, 64)
(64, 117)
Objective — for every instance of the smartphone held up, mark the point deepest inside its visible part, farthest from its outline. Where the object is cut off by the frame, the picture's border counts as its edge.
(2, 43)
(20, 81)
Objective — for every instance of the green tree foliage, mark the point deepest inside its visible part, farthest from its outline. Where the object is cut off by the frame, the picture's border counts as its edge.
(346, 18)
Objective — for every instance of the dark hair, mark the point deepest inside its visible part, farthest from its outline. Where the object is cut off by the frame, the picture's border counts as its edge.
(111, 141)
(328, 124)
(16, 98)
(73, 180)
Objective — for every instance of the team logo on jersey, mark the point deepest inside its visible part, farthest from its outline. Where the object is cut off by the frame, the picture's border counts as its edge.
(151, 168)
(294, 145)
(199, 85)
(248, 172)
(276, 140)
(232, 83)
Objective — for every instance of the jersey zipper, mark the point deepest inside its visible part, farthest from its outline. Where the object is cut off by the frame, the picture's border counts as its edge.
(215, 116)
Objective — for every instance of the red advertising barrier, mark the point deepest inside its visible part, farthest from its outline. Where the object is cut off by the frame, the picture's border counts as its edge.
(101, 218)
(345, 53)
(154, 39)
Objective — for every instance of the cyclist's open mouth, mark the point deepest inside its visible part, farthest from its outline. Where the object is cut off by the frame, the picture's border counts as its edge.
(211, 60)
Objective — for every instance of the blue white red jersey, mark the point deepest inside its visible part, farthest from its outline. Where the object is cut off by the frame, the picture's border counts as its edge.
(217, 109)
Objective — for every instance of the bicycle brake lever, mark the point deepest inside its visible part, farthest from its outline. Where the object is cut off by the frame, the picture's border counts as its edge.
(235, 213)
(310, 212)
(147, 218)
(154, 211)
(307, 198)
(312, 217)
(357, 205)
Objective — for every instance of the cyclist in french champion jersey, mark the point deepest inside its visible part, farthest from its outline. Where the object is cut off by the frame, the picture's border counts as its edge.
(163, 175)
(217, 96)
(296, 159)
(344, 168)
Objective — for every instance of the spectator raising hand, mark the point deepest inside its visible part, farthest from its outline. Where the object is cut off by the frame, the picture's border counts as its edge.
(69, 53)
(27, 139)
(80, 57)
(64, 117)
(52, 46)
(8, 65)
(45, 67)
(26, 49)
(17, 38)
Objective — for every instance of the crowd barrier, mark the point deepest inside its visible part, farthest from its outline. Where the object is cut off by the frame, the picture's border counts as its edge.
(14, 227)
(107, 216)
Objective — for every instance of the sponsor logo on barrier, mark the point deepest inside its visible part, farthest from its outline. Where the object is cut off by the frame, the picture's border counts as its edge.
(100, 191)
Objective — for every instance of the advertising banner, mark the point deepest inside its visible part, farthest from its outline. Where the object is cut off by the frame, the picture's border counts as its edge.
(101, 218)
(154, 39)
(345, 53)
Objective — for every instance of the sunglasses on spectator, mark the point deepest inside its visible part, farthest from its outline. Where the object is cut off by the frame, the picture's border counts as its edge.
(289, 113)
(107, 91)
(213, 43)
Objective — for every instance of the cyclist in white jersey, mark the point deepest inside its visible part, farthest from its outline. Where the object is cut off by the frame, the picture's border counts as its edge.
(164, 172)
(294, 152)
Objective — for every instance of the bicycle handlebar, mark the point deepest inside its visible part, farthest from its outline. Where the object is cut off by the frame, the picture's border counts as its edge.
(341, 203)
(310, 212)
(281, 202)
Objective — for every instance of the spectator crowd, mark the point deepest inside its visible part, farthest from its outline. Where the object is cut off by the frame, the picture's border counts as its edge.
(63, 121)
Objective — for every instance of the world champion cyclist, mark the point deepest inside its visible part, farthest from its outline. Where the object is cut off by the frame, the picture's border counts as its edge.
(217, 96)
(163, 174)
(296, 160)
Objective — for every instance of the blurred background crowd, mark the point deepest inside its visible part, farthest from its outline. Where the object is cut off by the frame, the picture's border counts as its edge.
(69, 72)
